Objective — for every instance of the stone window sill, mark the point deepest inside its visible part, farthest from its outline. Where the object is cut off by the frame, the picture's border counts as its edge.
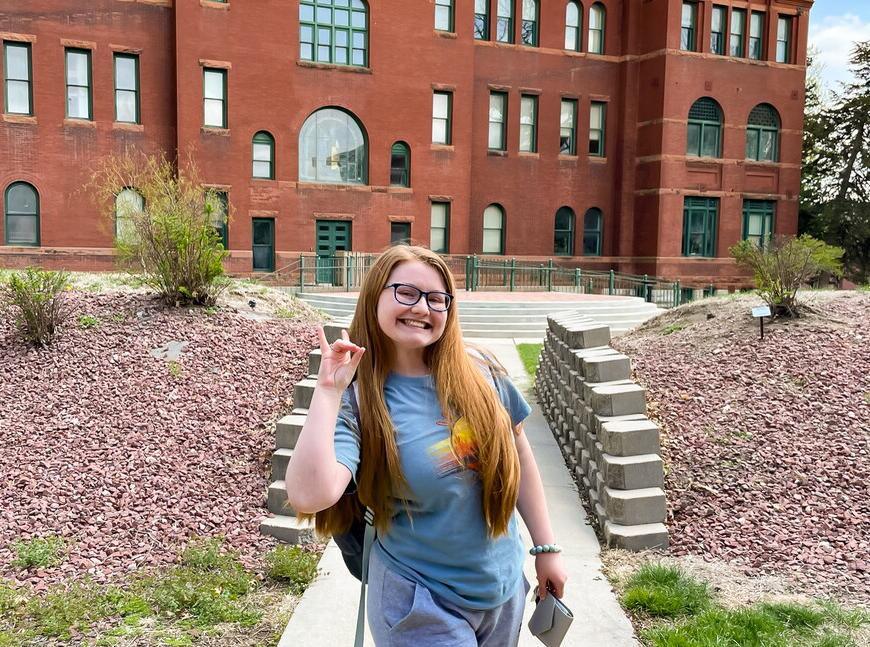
(354, 69)
(19, 119)
(80, 123)
(128, 127)
(215, 130)
(442, 147)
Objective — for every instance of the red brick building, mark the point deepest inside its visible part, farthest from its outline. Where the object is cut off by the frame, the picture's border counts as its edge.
(645, 136)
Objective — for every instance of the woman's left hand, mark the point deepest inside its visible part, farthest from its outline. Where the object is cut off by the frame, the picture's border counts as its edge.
(551, 574)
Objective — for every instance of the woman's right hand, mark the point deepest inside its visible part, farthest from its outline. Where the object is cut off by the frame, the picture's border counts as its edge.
(338, 361)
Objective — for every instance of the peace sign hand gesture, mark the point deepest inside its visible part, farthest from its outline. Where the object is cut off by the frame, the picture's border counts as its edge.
(338, 361)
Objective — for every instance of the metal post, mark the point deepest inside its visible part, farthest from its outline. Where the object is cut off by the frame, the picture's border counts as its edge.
(513, 273)
(301, 272)
(612, 281)
(679, 294)
(577, 278)
(550, 275)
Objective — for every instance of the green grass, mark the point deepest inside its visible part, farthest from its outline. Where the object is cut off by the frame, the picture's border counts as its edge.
(672, 328)
(44, 552)
(88, 321)
(292, 565)
(530, 354)
(665, 592)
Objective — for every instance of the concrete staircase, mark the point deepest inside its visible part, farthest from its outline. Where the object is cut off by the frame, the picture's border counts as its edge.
(515, 318)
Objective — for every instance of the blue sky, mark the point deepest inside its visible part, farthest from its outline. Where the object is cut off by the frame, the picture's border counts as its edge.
(835, 26)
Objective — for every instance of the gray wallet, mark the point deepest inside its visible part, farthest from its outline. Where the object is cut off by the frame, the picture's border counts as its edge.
(550, 620)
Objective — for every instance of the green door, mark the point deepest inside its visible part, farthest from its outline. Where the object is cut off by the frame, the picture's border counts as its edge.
(263, 239)
(332, 236)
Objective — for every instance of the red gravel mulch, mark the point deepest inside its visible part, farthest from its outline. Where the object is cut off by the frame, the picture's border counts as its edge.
(127, 457)
(766, 443)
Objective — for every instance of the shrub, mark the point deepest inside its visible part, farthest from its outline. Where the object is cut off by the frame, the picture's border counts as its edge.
(88, 321)
(40, 553)
(37, 296)
(784, 264)
(171, 236)
(293, 565)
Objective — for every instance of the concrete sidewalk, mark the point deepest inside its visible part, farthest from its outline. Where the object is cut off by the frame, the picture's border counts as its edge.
(327, 613)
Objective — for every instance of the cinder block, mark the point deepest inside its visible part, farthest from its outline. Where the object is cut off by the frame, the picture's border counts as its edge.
(636, 538)
(333, 330)
(587, 335)
(314, 361)
(589, 386)
(634, 507)
(280, 458)
(632, 472)
(618, 400)
(287, 431)
(595, 421)
(606, 368)
(630, 437)
(287, 529)
(302, 393)
(600, 514)
(579, 354)
(276, 499)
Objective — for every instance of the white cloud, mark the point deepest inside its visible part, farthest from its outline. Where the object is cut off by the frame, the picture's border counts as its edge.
(834, 37)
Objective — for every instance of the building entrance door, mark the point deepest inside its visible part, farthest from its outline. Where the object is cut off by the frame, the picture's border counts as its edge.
(263, 239)
(332, 236)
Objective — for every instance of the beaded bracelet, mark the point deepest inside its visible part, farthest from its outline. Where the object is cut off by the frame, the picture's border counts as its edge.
(546, 548)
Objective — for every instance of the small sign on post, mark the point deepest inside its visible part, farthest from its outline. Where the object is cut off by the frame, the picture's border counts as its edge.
(761, 312)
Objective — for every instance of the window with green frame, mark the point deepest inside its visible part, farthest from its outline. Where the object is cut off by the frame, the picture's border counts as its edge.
(738, 29)
(493, 230)
(758, 219)
(214, 97)
(568, 127)
(263, 156)
(528, 123)
(756, 35)
(442, 109)
(597, 121)
(332, 148)
(481, 19)
(127, 88)
(497, 111)
(79, 102)
(529, 27)
(400, 164)
(17, 72)
(334, 31)
(400, 233)
(573, 25)
(444, 15)
(762, 134)
(688, 26)
(783, 39)
(700, 216)
(219, 201)
(597, 17)
(22, 215)
(439, 228)
(704, 132)
(717, 29)
(593, 225)
(563, 235)
(504, 21)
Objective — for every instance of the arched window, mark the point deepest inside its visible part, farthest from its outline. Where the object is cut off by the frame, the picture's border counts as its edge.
(529, 31)
(400, 164)
(127, 203)
(563, 241)
(762, 133)
(596, 29)
(704, 135)
(493, 230)
(593, 222)
(334, 31)
(263, 155)
(573, 25)
(332, 148)
(22, 214)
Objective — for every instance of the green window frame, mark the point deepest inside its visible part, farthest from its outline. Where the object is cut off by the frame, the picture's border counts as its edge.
(700, 217)
(333, 148)
(439, 227)
(597, 128)
(563, 232)
(529, 26)
(688, 27)
(481, 19)
(21, 202)
(719, 22)
(568, 127)
(704, 130)
(758, 221)
(219, 202)
(79, 81)
(573, 25)
(444, 15)
(528, 123)
(400, 233)
(783, 39)
(400, 164)
(127, 202)
(497, 139)
(334, 32)
(442, 117)
(263, 156)
(126, 79)
(597, 22)
(738, 31)
(214, 97)
(17, 77)
(593, 232)
(756, 35)
(493, 230)
(504, 21)
(762, 134)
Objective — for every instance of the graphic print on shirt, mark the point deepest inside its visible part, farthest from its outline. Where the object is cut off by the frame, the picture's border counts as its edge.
(456, 456)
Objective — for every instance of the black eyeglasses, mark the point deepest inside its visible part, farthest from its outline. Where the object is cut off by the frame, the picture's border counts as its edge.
(408, 295)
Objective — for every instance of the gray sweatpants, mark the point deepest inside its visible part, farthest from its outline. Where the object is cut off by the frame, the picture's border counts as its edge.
(402, 613)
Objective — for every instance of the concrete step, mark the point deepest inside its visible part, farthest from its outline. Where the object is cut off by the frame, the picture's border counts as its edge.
(287, 431)
(287, 529)
(276, 500)
(280, 459)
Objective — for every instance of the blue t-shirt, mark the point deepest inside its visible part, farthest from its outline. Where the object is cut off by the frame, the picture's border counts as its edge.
(443, 542)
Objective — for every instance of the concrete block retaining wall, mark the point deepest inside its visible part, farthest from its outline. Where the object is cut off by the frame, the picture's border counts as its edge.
(598, 416)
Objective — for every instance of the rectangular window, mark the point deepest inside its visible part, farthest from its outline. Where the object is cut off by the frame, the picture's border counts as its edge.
(219, 215)
(214, 97)
(738, 28)
(597, 114)
(529, 123)
(444, 15)
(439, 236)
(568, 127)
(497, 113)
(481, 19)
(504, 26)
(758, 221)
(717, 29)
(529, 25)
(699, 226)
(756, 35)
(442, 106)
(400, 233)
(127, 88)
(688, 26)
(17, 73)
(263, 244)
(78, 83)
(783, 39)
